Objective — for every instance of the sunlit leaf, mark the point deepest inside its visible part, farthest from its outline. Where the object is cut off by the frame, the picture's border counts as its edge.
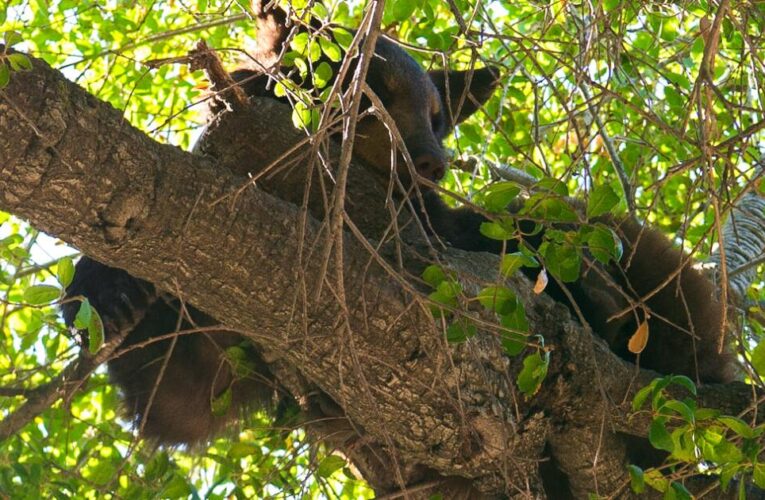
(65, 271)
(41, 294)
(329, 465)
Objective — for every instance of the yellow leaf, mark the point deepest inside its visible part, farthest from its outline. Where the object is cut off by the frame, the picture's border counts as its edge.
(541, 283)
(639, 339)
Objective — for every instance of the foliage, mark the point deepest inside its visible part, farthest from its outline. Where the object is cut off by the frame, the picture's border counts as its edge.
(696, 436)
(686, 129)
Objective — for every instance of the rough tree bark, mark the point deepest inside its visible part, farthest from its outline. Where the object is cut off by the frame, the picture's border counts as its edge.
(74, 168)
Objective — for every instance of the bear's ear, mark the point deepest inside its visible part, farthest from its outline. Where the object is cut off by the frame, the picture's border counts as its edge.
(468, 90)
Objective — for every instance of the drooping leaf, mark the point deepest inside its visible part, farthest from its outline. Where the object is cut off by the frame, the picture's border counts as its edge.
(637, 479)
(639, 339)
(541, 282)
(533, 373)
(84, 315)
(658, 435)
(95, 332)
(602, 199)
(65, 271)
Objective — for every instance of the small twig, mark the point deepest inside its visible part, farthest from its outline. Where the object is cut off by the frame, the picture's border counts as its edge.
(162, 36)
(458, 16)
(744, 268)
(621, 172)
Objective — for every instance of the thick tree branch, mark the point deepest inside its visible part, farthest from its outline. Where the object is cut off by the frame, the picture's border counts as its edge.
(73, 167)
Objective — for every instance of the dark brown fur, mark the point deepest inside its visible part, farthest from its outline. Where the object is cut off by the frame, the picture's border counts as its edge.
(684, 315)
(194, 368)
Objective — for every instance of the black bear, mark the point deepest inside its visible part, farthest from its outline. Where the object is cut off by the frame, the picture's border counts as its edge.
(173, 370)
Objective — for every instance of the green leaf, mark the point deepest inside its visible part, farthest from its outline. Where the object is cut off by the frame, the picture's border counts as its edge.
(685, 382)
(158, 466)
(19, 62)
(496, 230)
(460, 331)
(656, 480)
(511, 262)
(5, 74)
(314, 51)
(738, 426)
(498, 196)
(329, 465)
(84, 315)
(402, 9)
(602, 199)
(728, 472)
(562, 260)
(553, 185)
(637, 479)
(301, 116)
(11, 38)
(446, 294)
(449, 288)
(678, 407)
(684, 446)
(533, 373)
(178, 487)
(516, 319)
(471, 132)
(343, 37)
(609, 5)
(331, 50)
(658, 397)
(95, 332)
(37, 295)
(513, 342)
(679, 492)
(299, 42)
(433, 275)
(758, 355)
(65, 271)
(33, 327)
(551, 209)
(221, 403)
(706, 414)
(727, 452)
(758, 473)
(280, 89)
(641, 397)
(322, 75)
(604, 244)
(499, 299)
(674, 98)
(242, 450)
(658, 435)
